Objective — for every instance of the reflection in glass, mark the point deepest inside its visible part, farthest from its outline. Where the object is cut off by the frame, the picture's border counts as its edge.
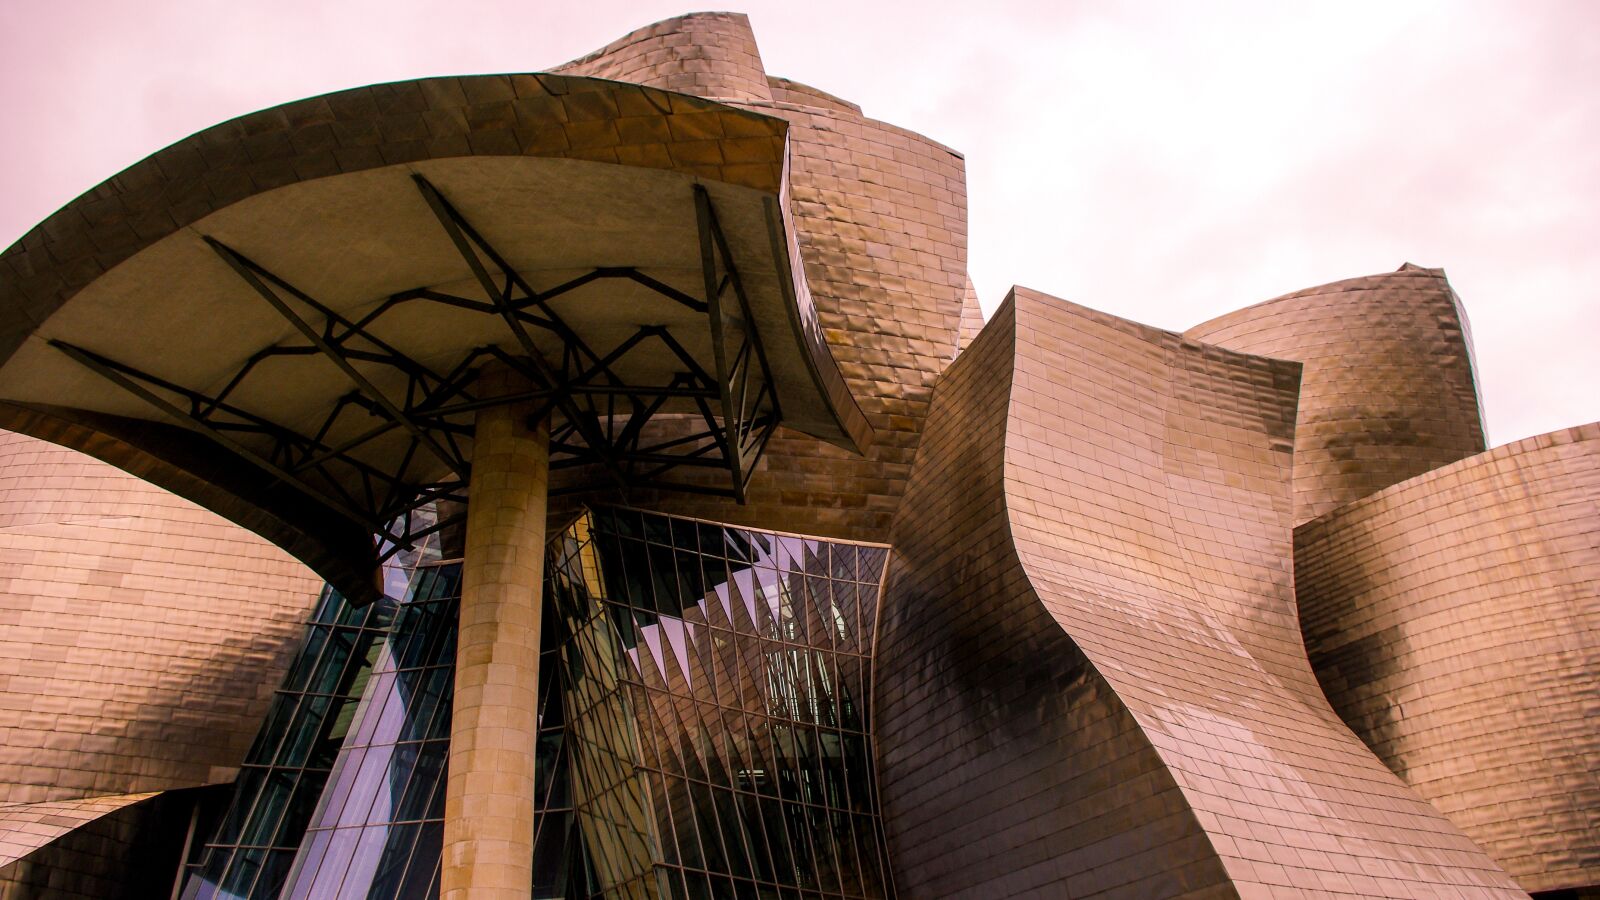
(379, 821)
(284, 772)
(715, 681)
(702, 728)
(345, 777)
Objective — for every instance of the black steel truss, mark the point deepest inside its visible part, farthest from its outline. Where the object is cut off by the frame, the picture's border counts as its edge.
(597, 418)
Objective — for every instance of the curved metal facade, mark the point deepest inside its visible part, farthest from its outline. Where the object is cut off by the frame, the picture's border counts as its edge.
(1009, 765)
(142, 636)
(1388, 389)
(1090, 676)
(710, 55)
(1454, 621)
(102, 848)
(880, 218)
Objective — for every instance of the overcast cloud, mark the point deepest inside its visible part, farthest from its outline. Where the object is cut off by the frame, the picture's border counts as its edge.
(1166, 162)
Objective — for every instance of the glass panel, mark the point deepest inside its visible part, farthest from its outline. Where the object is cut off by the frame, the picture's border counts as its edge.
(703, 728)
(275, 838)
(715, 670)
(389, 770)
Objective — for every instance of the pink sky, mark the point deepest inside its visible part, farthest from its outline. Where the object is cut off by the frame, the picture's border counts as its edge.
(1162, 161)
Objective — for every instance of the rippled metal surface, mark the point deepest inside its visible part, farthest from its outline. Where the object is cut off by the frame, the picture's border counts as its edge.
(1454, 621)
(1090, 672)
(139, 634)
(1388, 390)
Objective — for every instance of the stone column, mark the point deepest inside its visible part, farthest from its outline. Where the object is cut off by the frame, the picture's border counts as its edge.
(488, 810)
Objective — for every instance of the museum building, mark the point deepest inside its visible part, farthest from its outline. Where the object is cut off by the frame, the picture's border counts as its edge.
(601, 482)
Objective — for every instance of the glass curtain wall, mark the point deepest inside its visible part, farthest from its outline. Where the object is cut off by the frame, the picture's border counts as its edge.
(366, 700)
(717, 685)
(379, 827)
(281, 781)
(703, 728)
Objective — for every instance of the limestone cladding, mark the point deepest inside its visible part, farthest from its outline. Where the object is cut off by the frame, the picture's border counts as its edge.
(494, 725)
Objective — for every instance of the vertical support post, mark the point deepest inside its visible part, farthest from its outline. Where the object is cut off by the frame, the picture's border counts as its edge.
(489, 792)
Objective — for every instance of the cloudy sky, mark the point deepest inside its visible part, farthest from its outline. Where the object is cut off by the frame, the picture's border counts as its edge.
(1163, 161)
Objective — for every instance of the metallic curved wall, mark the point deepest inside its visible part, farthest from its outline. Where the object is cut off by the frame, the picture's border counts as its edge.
(1090, 673)
(105, 848)
(1007, 764)
(1388, 389)
(706, 54)
(140, 636)
(880, 214)
(1454, 620)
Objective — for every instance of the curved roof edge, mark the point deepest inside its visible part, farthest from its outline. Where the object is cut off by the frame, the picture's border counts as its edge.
(532, 115)
(177, 460)
(535, 114)
(719, 59)
(544, 116)
(1390, 388)
(27, 827)
(787, 90)
(1343, 285)
(1574, 434)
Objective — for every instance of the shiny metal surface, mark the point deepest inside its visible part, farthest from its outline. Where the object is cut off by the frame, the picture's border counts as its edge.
(140, 636)
(706, 54)
(971, 317)
(879, 216)
(25, 827)
(119, 847)
(1090, 675)
(1454, 621)
(1388, 389)
(389, 217)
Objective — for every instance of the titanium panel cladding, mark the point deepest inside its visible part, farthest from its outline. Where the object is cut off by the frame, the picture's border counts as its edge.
(140, 636)
(1454, 621)
(1388, 390)
(880, 217)
(1143, 483)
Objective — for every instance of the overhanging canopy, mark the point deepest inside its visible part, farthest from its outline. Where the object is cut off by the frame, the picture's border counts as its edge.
(299, 350)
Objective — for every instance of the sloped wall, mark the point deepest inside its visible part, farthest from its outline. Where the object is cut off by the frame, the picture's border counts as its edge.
(1454, 620)
(1388, 390)
(141, 637)
(1145, 555)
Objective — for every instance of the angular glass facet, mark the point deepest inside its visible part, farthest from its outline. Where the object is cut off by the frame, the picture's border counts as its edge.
(702, 728)
(714, 680)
